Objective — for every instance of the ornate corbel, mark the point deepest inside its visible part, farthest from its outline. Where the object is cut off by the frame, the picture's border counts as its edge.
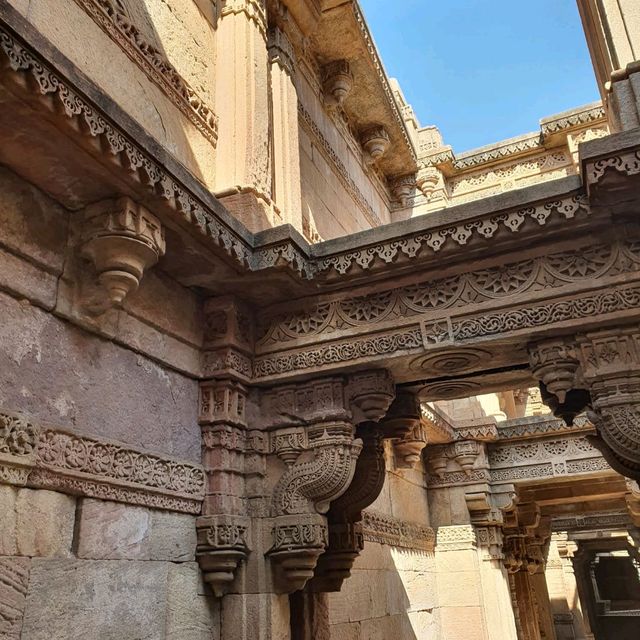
(555, 364)
(122, 239)
(610, 362)
(403, 423)
(403, 187)
(375, 142)
(337, 82)
(321, 473)
(345, 515)
(370, 394)
(465, 453)
(222, 546)
(431, 183)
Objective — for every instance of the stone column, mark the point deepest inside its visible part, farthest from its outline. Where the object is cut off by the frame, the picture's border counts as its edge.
(612, 29)
(566, 551)
(243, 172)
(286, 152)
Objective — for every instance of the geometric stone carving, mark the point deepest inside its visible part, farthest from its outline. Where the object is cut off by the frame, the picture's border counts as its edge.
(337, 83)
(122, 239)
(222, 546)
(375, 142)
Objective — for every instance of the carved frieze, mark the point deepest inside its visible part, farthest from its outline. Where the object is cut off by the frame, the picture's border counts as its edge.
(45, 458)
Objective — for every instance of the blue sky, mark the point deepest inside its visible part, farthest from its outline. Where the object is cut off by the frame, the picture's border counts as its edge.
(484, 70)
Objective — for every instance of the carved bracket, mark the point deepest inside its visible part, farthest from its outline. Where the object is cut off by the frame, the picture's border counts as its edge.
(222, 546)
(122, 239)
(337, 82)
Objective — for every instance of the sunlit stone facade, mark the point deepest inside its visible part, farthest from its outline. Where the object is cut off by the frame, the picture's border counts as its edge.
(276, 363)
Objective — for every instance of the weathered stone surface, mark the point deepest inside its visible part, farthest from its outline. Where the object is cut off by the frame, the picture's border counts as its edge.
(56, 373)
(116, 599)
(14, 578)
(255, 617)
(25, 280)
(191, 615)
(36, 523)
(110, 530)
(33, 225)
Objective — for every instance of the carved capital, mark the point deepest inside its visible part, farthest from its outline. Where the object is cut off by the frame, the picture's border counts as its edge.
(298, 541)
(408, 450)
(375, 142)
(222, 546)
(370, 394)
(222, 402)
(337, 82)
(122, 239)
(281, 50)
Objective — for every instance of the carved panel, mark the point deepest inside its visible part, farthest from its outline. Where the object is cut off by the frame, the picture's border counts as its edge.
(49, 459)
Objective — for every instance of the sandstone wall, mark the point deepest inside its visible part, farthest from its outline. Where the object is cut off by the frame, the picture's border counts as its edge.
(182, 37)
(72, 565)
(82, 568)
(392, 589)
(339, 195)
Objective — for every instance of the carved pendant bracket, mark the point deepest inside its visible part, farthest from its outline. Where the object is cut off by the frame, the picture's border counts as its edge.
(298, 542)
(222, 546)
(122, 239)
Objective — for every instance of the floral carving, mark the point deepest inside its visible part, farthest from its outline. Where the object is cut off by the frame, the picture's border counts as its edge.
(18, 437)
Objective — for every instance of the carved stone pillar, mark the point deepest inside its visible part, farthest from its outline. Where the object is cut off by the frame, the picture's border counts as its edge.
(612, 28)
(566, 550)
(243, 172)
(286, 153)
(312, 430)
(232, 454)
